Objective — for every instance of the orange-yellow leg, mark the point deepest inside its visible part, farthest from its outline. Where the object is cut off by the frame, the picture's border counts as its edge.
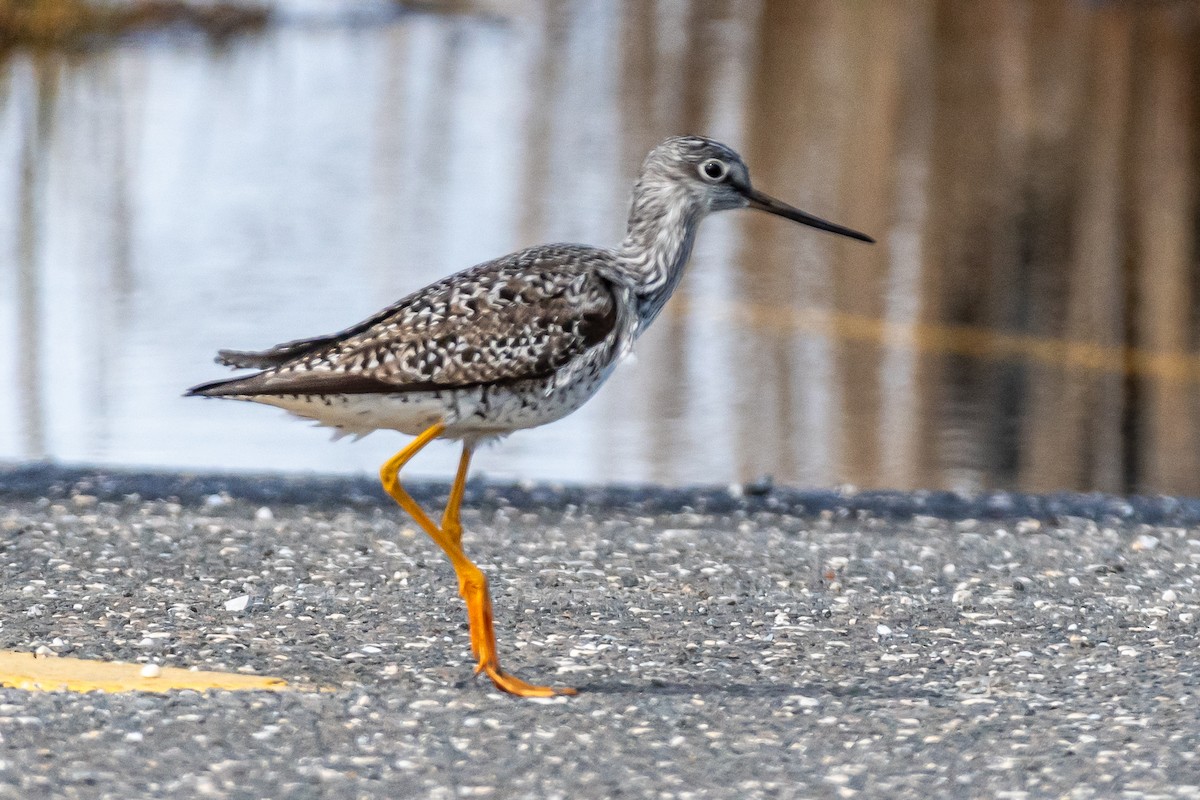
(472, 584)
(451, 524)
(452, 527)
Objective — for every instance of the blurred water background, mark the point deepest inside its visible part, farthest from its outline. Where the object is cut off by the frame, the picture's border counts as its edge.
(1027, 320)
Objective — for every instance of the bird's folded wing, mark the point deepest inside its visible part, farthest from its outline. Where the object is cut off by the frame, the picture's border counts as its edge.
(497, 326)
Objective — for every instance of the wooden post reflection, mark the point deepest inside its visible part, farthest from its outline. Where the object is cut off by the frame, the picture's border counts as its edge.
(972, 274)
(1079, 442)
(30, 334)
(1163, 206)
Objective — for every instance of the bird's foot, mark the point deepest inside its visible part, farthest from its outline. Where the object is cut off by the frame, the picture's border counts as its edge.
(511, 684)
(473, 588)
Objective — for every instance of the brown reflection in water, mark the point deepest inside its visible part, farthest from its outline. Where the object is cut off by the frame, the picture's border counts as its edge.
(843, 59)
(1164, 155)
(1089, 442)
(34, 141)
(1061, 202)
(672, 57)
(1059, 103)
(94, 330)
(780, 142)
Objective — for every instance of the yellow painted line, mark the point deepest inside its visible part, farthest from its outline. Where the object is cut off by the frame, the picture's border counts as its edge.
(966, 340)
(61, 674)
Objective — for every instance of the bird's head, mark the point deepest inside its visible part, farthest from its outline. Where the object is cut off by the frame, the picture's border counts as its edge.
(716, 178)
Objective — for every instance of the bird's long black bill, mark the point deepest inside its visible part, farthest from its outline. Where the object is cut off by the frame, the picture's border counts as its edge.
(764, 202)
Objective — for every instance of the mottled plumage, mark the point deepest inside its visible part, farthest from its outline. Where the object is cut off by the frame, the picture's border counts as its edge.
(508, 344)
(512, 343)
(487, 324)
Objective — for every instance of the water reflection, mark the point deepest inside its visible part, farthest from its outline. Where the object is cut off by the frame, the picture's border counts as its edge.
(1029, 168)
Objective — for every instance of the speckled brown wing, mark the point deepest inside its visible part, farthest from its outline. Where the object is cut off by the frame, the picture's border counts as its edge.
(521, 317)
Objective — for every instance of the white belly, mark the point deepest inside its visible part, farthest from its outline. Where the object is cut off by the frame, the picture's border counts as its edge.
(478, 412)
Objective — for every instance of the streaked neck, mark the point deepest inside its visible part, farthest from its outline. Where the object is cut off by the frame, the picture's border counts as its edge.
(662, 227)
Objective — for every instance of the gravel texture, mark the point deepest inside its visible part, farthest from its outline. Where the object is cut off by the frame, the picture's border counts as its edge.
(769, 644)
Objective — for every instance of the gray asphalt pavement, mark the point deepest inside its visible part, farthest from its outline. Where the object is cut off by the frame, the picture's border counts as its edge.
(772, 645)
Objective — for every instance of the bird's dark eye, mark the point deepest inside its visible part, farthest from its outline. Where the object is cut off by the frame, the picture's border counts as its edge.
(714, 169)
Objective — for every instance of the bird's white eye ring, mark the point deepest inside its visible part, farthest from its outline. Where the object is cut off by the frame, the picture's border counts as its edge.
(714, 169)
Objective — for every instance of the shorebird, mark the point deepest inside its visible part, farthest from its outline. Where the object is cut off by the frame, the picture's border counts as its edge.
(512, 343)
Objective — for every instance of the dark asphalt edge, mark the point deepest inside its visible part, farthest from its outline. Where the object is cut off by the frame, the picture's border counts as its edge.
(56, 481)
